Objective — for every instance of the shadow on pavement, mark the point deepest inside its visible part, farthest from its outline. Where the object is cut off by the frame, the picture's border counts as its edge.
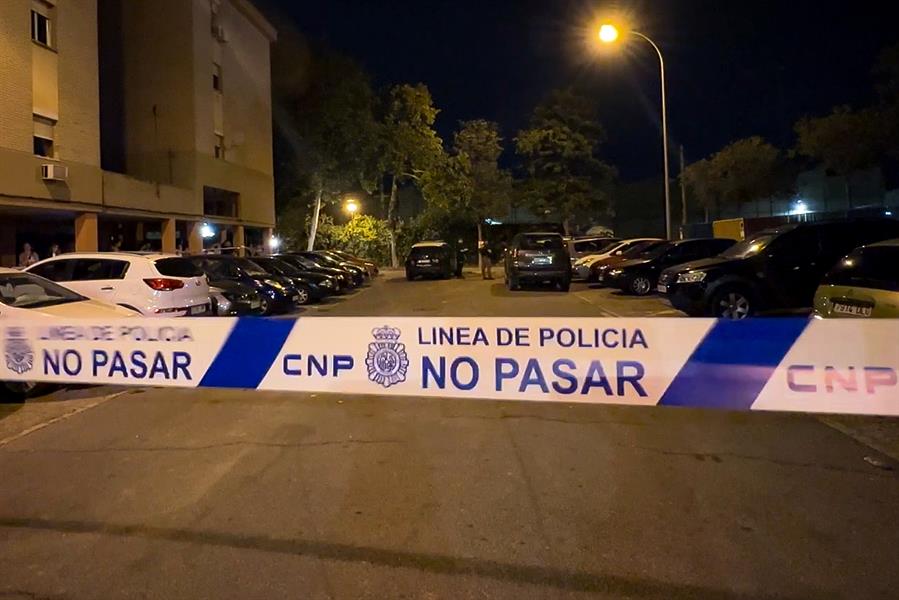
(558, 578)
(499, 290)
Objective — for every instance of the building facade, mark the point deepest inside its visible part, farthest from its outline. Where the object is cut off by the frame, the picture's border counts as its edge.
(134, 125)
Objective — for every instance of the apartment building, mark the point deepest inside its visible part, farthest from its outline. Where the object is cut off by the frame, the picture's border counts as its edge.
(132, 124)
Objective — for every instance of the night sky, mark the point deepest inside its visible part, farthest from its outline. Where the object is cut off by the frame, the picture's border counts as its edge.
(734, 68)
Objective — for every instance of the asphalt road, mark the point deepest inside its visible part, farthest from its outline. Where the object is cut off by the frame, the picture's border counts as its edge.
(228, 494)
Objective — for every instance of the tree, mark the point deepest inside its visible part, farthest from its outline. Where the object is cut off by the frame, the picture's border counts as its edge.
(326, 129)
(468, 184)
(410, 146)
(747, 170)
(843, 141)
(559, 152)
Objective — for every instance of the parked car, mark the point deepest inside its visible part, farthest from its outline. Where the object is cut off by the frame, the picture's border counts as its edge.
(311, 287)
(155, 285)
(774, 270)
(233, 299)
(369, 265)
(431, 259)
(599, 268)
(26, 295)
(864, 284)
(276, 295)
(582, 266)
(356, 274)
(580, 247)
(640, 275)
(343, 280)
(538, 258)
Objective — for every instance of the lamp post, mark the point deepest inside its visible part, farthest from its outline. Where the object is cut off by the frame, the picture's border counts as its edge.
(351, 206)
(609, 34)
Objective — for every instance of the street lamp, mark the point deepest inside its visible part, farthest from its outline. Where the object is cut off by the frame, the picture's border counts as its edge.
(609, 34)
(351, 206)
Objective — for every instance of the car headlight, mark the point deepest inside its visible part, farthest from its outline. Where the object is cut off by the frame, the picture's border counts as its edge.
(615, 272)
(274, 284)
(694, 277)
(327, 283)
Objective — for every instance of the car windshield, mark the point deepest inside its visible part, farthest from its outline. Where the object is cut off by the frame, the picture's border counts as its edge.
(748, 247)
(875, 267)
(541, 242)
(326, 260)
(24, 290)
(651, 250)
(178, 267)
(249, 267)
(305, 262)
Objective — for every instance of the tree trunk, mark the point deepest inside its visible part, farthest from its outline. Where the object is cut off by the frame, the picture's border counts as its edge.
(565, 226)
(391, 222)
(313, 228)
(706, 214)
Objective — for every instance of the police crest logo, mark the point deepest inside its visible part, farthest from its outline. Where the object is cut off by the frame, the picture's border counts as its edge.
(17, 351)
(387, 361)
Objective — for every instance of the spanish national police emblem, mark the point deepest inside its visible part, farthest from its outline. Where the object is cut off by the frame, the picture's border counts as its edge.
(19, 357)
(387, 361)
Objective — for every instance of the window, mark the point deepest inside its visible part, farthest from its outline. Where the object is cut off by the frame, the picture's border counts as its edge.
(874, 267)
(217, 77)
(219, 146)
(40, 28)
(220, 203)
(24, 290)
(90, 269)
(54, 270)
(178, 267)
(43, 137)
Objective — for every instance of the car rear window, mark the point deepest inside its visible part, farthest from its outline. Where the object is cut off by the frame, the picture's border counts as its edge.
(427, 251)
(875, 267)
(542, 242)
(177, 267)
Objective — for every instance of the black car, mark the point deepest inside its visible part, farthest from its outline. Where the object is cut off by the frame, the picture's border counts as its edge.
(774, 270)
(431, 259)
(357, 274)
(537, 258)
(640, 275)
(342, 279)
(314, 286)
(276, 293)
(233, 299)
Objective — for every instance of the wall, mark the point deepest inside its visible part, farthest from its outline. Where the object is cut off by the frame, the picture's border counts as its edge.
(15, 83)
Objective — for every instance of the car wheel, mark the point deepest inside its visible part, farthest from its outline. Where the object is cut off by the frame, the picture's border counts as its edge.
(409, 275)
(640, 285)
(732, 303)
(265, 305)
(303, 295)
(563, 285)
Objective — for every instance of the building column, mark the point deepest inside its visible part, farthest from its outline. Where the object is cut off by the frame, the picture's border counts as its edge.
(267, 235)
(86, 233)
(8, 251)
(168, 236)
(194, 237)
(240, 240)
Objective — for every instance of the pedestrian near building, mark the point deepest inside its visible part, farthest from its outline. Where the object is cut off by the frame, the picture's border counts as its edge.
(28, 256)
(54, 250)
(486, 253)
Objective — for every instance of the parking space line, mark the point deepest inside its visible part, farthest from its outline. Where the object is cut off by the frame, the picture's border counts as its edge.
(63, 417)
(601, 309)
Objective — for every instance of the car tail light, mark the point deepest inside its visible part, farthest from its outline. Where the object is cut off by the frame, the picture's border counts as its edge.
(162, 284)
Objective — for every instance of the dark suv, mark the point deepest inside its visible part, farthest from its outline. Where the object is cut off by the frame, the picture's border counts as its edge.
(431, 259)
(537, 258)
(776, 269)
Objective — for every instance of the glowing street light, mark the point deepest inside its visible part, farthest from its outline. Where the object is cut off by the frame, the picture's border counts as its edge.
(609, 34)
(274, 243)
(351, 206)
(207, 231)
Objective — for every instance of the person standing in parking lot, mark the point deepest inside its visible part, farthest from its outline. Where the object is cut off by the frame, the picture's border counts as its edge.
(486, 254)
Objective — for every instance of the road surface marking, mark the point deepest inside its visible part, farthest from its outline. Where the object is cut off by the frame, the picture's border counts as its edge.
(63, 417)
(601, 309)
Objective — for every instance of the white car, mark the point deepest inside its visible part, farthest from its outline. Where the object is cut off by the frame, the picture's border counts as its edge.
(25, 295)
(155, 285)
(582, 265)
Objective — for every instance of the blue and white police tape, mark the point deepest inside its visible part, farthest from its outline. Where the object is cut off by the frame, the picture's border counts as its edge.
(841, 366)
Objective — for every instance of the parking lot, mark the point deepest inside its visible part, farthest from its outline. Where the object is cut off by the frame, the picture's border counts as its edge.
(390, 294)
(348, 496)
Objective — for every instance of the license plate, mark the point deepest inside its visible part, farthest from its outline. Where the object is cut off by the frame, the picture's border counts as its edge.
(542, 260)
(662, 289)
(600, 277)
(255, 304)
(424, 262)
(854, 310)
(197, 310)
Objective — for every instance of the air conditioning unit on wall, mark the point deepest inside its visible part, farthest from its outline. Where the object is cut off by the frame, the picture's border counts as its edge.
(52, 172)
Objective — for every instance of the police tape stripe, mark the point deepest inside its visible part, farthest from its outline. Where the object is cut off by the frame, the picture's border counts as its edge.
(248, 353)
(732, 364)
